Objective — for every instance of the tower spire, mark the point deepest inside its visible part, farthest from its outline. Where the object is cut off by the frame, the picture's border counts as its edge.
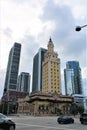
(50, 45)
(50, 40)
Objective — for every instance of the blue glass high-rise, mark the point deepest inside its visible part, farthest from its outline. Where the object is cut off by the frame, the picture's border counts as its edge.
(77, 79)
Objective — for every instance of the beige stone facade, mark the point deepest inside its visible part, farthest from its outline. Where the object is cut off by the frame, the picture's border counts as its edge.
(51, 81)
(44, 104)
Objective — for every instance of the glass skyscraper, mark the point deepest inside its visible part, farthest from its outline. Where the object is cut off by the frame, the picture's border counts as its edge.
(12, 67)
(23, 84)
(76, 81)
(69, 81)
(37, 70)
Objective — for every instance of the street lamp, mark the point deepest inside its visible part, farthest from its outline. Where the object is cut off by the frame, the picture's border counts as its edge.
(78, 28)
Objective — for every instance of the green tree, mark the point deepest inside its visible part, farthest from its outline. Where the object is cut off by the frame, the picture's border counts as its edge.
(80, 109)
(74, 109)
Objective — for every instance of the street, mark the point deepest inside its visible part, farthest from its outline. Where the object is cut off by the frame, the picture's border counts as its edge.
(25, 122)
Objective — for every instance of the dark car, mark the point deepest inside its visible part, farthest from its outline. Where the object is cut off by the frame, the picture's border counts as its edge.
(83, 118)
(6, 123)
(65, 120)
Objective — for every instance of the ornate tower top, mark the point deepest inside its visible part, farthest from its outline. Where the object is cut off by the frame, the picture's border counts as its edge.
(50, 46)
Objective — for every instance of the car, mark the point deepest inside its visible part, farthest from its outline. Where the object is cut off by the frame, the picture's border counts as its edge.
(6, 123)
(83, 118)
(65, 120)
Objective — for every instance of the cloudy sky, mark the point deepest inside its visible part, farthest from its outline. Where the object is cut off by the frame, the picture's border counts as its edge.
(33, 22)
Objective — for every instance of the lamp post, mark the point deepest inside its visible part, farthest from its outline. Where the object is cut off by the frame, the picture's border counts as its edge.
(78, 28)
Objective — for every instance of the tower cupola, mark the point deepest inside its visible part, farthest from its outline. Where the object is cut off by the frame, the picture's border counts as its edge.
(50, 45)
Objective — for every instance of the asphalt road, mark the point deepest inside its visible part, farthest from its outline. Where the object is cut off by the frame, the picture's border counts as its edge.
(24, 122)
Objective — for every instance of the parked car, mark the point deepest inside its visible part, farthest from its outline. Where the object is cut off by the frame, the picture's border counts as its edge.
(6, 123)
(65, 120)
(83, 118)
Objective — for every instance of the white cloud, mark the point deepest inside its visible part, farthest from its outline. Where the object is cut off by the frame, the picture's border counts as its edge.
(79, 12)
(78, 7)
(21, 18)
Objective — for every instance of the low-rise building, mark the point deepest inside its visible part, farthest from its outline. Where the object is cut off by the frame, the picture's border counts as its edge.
(9, 101)
(40, 104)
(13, 95)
